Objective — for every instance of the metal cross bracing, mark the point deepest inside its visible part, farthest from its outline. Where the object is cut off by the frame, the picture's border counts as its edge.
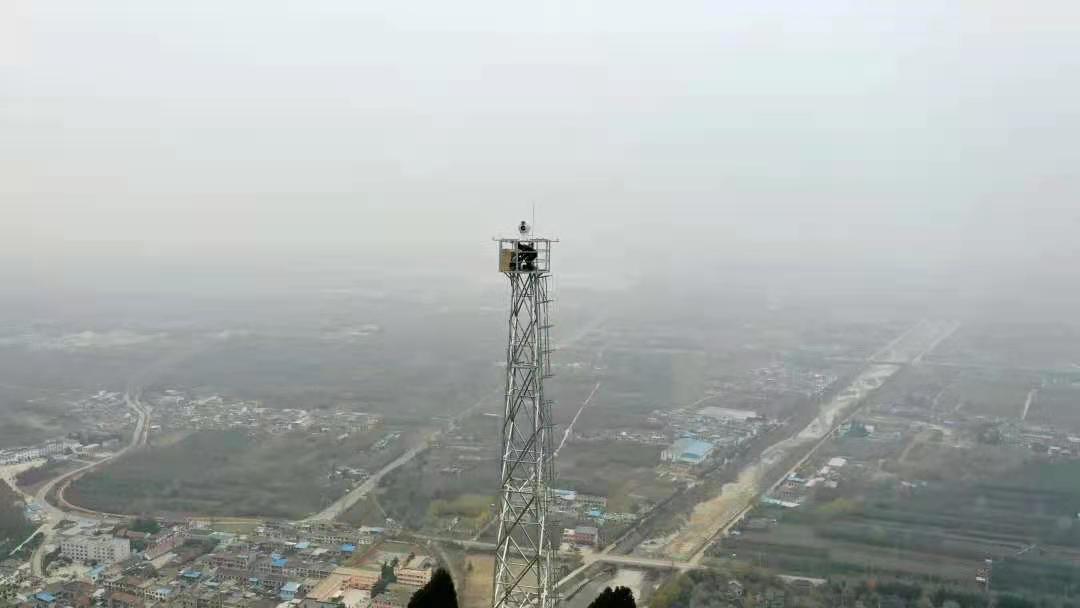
(524, 551)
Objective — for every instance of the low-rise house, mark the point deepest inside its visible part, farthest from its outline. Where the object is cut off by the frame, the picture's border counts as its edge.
(119, 599)
(165, 541)
(585, 535)
(289, 591)
(342, 580)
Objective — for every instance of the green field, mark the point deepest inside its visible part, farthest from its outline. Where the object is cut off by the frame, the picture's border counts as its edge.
(420, 494)
(225, 473)
(1057, 406)
(14, 527)
(1030, 345)
(30, 416)
(624, 471)
(1025, 520)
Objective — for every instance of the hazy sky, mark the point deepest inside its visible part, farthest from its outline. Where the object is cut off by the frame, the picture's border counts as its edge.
(927, 133)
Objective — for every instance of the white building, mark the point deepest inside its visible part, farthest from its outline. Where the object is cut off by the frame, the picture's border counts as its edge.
(54, 447)
(100, 549)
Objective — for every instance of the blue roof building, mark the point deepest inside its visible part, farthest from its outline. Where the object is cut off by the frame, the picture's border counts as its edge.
(46, 597)
(688, 451)
(348, 548)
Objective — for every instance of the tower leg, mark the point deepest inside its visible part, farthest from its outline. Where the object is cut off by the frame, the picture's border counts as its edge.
(524, 553)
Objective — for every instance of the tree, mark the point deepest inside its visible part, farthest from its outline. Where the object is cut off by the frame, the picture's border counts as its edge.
(674, 592)
(620, 597)
(438, 593)
(148, 525)
(387, 572)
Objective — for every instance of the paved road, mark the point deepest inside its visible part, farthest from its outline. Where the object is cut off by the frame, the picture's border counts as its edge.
(355, 495)
(843, 408)
(588, 558)
(737, 514)
(570, 427)
(1027, 403)
(9, 474)
(607, 557)
(55, 514)
(346, 502)
(139, 438)
(41, 528)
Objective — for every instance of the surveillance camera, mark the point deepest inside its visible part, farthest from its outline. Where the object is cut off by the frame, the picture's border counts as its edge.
(523, 228)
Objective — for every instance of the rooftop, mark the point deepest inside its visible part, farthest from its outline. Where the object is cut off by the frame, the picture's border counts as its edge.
(417, 562)
(692, 447)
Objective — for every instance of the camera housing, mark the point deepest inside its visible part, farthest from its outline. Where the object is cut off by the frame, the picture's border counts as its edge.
(523, 228)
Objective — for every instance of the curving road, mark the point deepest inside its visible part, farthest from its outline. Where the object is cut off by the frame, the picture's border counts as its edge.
(55, 514)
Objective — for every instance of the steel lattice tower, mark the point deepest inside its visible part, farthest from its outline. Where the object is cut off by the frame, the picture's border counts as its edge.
(524, 554)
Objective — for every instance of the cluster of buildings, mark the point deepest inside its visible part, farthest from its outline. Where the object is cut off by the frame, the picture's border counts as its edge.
(577, 503)
(779, 377)
(279, 565)
(47, 449)
(688, 451)
(795, 489)
(13, 574)
(589, 515)
(176, 409)
(706, 433)
(376, 583)
(101, 419)
(103, 411)
(1053, 443)
(57, 448)
(725, 429)
(103, 546)
(582, 536)
(762, 387)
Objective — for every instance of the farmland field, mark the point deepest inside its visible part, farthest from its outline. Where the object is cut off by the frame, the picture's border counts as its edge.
(941, 532)
(1057, 406)
(225, 473)
(476, 591)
